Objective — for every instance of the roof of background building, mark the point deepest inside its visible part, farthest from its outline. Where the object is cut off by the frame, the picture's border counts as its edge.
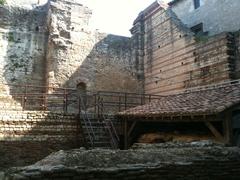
(207, 100)
(155, 5)
(173, 2)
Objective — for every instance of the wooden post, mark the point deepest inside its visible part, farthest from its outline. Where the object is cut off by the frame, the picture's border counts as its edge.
(95, 105)
(214, 131)
(131, 128)
(227, 128)
(119, 103)
(125, 101)
(125, 134)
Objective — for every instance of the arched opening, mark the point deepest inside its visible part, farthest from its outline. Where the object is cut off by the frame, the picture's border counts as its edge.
(82, 93)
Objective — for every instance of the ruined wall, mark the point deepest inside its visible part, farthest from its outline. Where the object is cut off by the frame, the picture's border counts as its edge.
(175, 59)
(26, 137)
(76, 53)
(182, 161)
(237, 54)
(216, 15)
(23, 38)
(52, 43)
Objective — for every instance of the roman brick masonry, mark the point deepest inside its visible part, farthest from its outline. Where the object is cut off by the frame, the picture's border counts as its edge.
(54, 67)
(55, 46)
(28, 136)
(174, 59)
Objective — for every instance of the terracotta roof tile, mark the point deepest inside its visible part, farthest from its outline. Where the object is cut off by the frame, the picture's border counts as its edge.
(199, 101)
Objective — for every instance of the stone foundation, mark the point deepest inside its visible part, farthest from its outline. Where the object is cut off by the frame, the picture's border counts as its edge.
(26, 137)
(201, 160)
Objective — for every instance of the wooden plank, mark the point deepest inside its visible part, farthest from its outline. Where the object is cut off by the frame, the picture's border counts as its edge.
(227, 128)
(175, 118)
(214, 131)
(131, 128)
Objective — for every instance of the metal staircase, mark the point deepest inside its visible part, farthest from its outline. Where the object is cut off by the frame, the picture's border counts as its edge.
(98, 129)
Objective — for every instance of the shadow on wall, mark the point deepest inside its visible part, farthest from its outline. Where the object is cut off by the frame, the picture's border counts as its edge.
(28, 136)
(108, 67)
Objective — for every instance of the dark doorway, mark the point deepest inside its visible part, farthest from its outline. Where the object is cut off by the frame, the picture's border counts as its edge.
(82, 93)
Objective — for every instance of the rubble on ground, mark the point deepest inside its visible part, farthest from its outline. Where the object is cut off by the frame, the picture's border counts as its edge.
(188, 160)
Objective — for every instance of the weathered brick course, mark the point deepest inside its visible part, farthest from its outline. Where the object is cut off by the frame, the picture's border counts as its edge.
(27, 136)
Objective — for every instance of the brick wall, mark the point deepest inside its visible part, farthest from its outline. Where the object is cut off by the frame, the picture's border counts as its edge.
(175, 59)
(237, 54)
(56, 45)
(78, 54)
(26, 137)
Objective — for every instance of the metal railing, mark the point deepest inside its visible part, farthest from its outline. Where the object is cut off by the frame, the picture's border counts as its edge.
(98, 105)
(32, 97)
(109, 126)
(87, 122)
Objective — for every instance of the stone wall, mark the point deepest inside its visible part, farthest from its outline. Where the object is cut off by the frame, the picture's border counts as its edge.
(182, 171)
(52, 43)
(26, 137)
(23, 38)
(174, 58)
(237, 54)
(217, 16)
(79, 54)
(193, 161)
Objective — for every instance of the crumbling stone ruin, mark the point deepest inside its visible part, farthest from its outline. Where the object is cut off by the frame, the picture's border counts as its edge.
(64, 85)
(202, 160)
(52, 44)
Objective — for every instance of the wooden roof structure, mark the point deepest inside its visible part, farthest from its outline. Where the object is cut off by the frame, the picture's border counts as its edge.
(207, 104)
(201, 101)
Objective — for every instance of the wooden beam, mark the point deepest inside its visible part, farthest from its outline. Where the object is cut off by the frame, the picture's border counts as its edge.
(125, 134)
(182, 118)
(131, 128)
(214, 131)
(227, 128)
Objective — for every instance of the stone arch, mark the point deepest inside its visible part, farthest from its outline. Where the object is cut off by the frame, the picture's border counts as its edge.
(82, 87)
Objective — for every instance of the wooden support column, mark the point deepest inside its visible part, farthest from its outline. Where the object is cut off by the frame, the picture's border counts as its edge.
(214, 131)
(131, 128)
(227, 128)
(125, 134)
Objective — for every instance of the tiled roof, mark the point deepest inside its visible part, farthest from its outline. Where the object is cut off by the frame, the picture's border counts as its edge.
(208, 100)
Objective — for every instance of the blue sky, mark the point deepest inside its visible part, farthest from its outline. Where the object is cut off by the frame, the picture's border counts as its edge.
(115, 16)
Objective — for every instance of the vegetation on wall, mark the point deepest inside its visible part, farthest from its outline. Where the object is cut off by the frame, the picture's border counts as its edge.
(10, 36)
(2, 2)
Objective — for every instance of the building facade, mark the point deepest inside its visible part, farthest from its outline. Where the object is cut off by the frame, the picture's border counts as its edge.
(216, 16)
(178, 47)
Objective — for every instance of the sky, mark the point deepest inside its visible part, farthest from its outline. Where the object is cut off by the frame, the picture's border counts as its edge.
(115, 16)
